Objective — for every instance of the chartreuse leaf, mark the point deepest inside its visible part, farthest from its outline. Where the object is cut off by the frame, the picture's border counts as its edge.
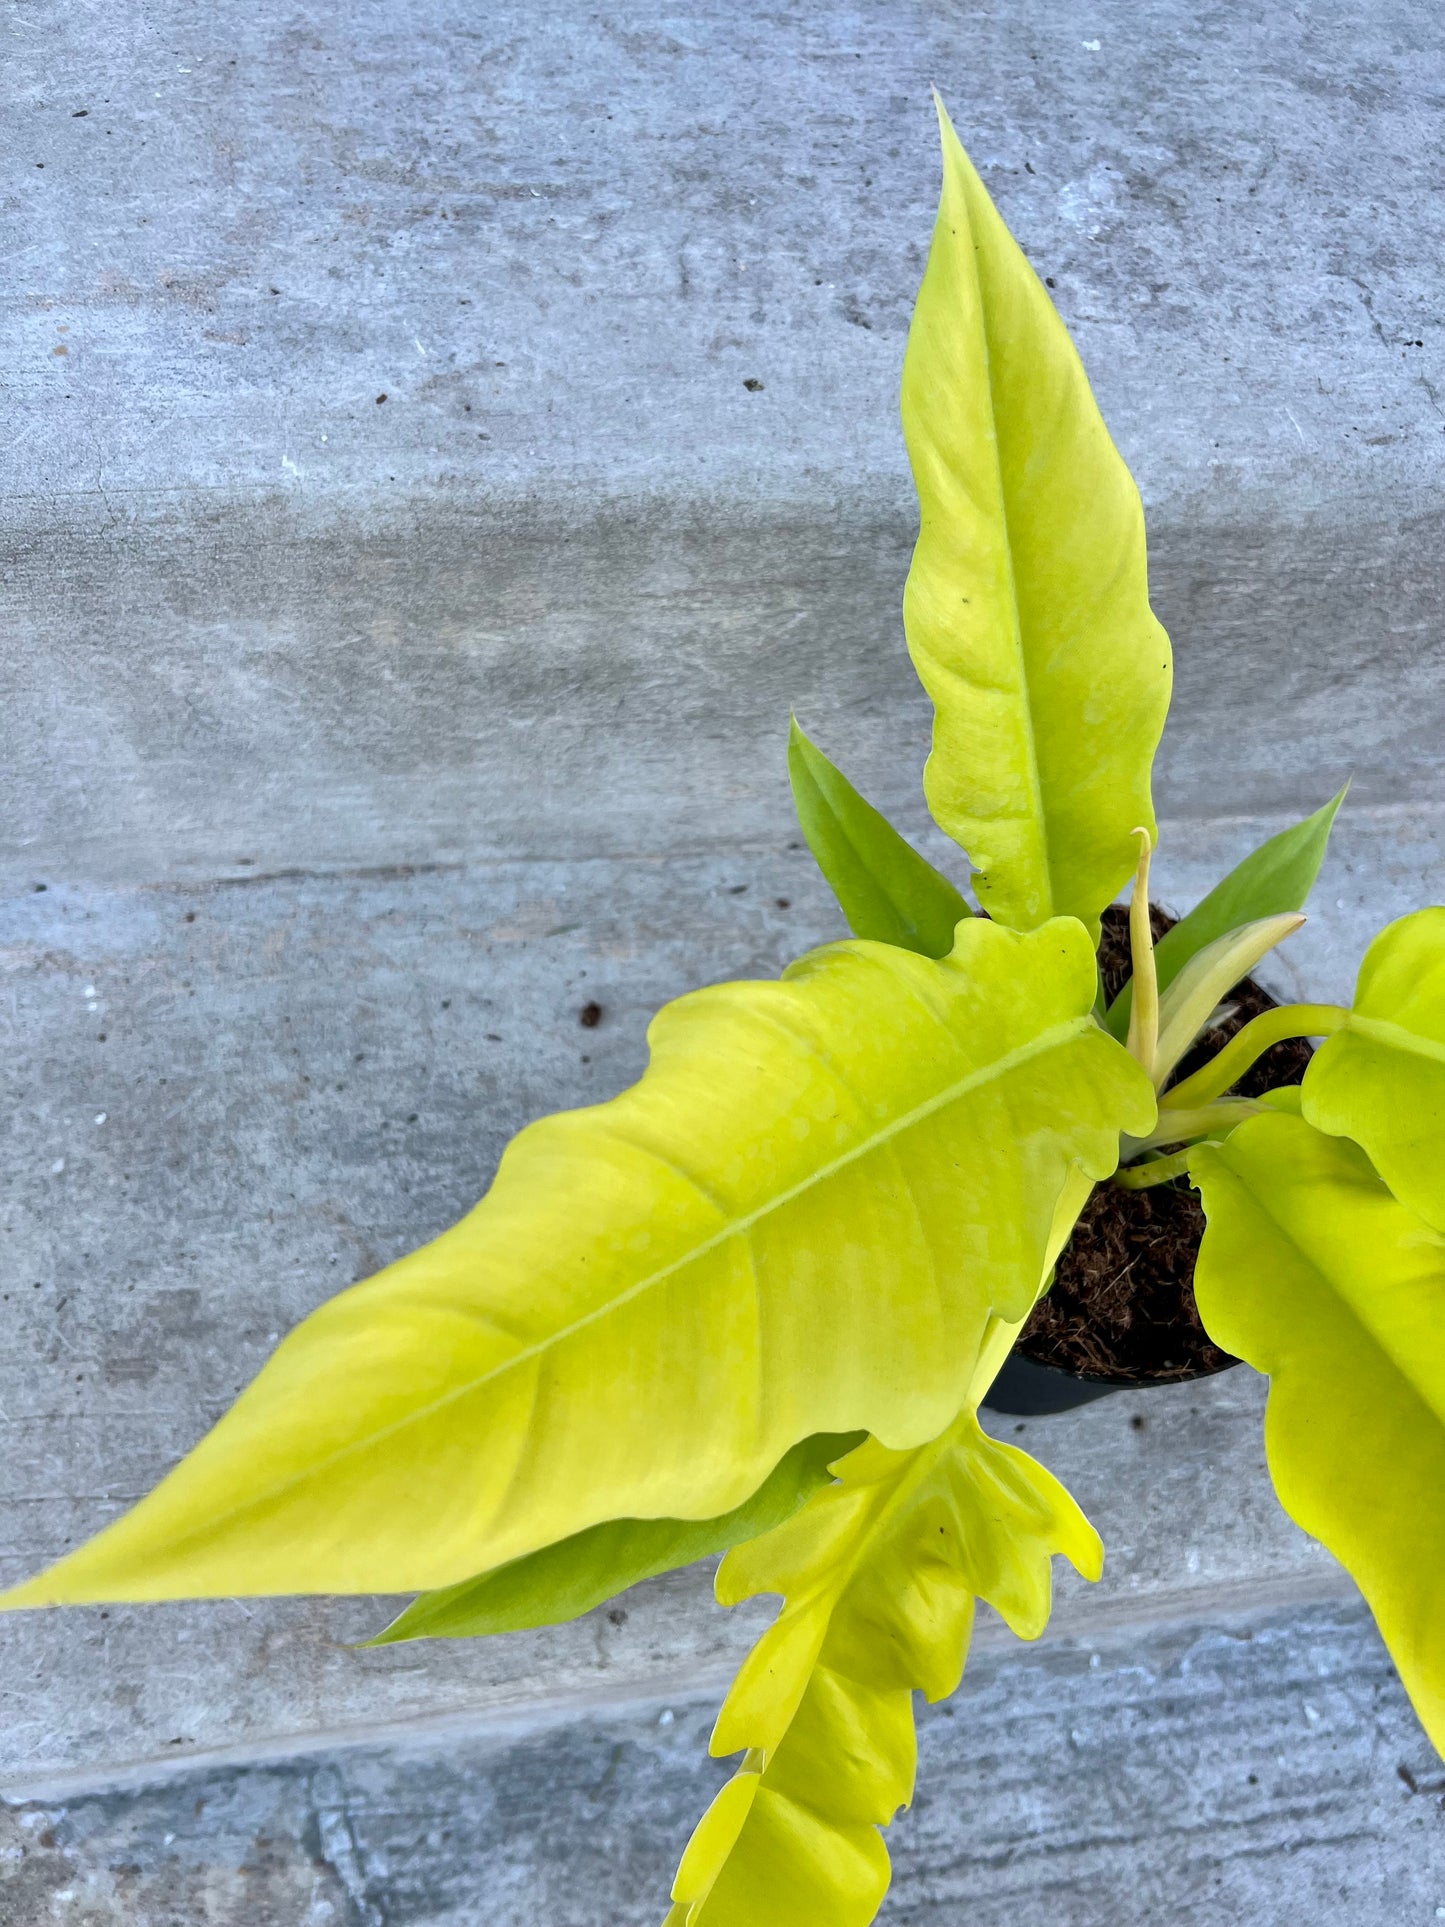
(801, 1220)
(878, 1574)
(1276, 877)
(1027, 606)
(1381, 1078)
(1313, 1272)
(576, 1574)
(887, 891)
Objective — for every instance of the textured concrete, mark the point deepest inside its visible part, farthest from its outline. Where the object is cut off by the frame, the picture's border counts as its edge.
(358, 742)
(258, 613)
(1266, 1771)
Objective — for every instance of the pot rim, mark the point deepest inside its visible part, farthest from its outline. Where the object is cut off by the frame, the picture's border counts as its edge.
(1119, 1384)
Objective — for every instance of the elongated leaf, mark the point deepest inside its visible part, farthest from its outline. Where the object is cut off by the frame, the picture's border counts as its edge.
(1313, 1272)
(801, 1220)
(886, 890)
(1027, 606)
(1276, 877)
(1206, 979)
(1381, 1079)
(559, 1582)
(878, 1574)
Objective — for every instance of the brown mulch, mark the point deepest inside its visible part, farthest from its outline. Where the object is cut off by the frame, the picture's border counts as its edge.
(1122, 1302)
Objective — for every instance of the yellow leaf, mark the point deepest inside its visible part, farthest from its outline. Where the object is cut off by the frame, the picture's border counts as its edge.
(1027, 605)
(801, 1220)
(1381, 1079)
(1313, 1272)
(879, 1574)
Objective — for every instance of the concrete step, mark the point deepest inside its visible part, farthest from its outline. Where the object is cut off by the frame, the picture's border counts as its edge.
(1264, 1769)
(554, 594)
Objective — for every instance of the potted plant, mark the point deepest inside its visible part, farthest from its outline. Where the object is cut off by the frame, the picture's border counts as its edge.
(752, 1304)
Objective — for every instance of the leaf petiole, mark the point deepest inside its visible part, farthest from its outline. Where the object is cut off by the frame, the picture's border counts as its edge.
(1178, 1125)
(1137, 1177)
(1271, 1027)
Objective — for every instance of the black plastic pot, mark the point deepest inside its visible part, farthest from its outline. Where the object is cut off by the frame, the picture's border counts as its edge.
(1024, 1389)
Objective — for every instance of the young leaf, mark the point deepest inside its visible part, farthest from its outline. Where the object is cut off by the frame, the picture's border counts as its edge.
(1027, 606)
(1313, 1272)
(1276, 877)
(1206, 979)
(801, 1220)
(878, 1575)
(887, 891)
(561, 1581)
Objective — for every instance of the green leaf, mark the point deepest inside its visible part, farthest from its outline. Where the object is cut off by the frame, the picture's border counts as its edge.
(1381, 1079)
(567, 1579)
(801, 1220)
(1313, 1272)
(886, 889)
(1276, 877)
(878, 1575)
(1027, 606)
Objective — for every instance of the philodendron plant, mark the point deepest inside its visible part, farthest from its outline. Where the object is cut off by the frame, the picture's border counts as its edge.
(752, 1304)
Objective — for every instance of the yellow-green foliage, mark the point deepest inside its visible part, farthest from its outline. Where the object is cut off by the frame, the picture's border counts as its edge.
(801, 1220)
(1381, 1080)
(1027, 606)
(1313, 1272)
(878, 1574)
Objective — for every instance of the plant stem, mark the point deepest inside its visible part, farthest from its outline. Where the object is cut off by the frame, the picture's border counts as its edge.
(1177, 1125)
(1271, 1027)
(1137, 1177)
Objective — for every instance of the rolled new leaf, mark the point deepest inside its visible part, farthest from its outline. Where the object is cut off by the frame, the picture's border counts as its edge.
(879, 1575)
(567, 1579)
(1312, 1271)
(801, 1220)
(1206, 980)
(1381, 1078)
(1027, 605)
(1275, 878)
(885, 889)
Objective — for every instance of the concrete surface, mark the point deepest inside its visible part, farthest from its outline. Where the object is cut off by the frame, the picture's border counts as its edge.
(358, 743)
(1266, 1771)
(258, 613)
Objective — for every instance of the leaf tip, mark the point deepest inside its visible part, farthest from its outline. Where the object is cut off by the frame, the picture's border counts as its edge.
(1088, 1556)
(388, 1636)
(947, 133)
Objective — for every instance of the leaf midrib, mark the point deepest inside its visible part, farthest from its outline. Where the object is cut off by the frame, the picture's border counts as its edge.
(1016, 624)
(1056, 1036)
